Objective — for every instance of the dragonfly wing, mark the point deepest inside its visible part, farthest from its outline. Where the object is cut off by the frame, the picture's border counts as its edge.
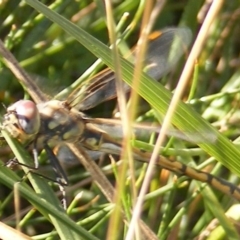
(68, 158)
(113, 128)
(164, 50)
(101, 90)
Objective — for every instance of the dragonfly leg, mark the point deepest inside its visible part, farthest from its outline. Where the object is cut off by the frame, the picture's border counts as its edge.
(61, 178)
(13, 162)
(35, 154)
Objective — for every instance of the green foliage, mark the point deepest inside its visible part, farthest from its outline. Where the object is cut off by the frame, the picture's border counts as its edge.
(56, 53)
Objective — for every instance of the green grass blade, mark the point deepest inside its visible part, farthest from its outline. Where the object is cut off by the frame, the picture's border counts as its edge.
(44, 199)
(185, 118)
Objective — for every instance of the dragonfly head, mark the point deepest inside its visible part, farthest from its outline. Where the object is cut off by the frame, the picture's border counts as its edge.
(22, 120)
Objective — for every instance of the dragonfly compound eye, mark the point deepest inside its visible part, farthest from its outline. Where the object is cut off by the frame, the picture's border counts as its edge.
(28, 116)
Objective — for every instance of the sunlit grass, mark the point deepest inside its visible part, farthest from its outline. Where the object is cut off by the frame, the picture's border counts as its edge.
(172, 207)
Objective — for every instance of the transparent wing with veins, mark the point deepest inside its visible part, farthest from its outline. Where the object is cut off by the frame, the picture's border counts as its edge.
(61, 122)
(164, 50)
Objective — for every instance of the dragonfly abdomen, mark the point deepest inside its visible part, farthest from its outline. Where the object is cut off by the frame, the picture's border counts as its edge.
(182, 169)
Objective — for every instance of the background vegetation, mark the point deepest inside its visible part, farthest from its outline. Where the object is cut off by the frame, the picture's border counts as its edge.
(174, 208)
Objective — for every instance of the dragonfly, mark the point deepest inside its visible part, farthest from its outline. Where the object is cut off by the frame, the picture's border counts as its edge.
(48, 123)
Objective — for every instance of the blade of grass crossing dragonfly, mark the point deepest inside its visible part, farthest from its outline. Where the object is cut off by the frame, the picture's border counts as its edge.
(185, 118)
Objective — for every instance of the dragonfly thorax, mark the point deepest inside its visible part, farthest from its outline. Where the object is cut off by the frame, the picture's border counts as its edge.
(59, 123)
